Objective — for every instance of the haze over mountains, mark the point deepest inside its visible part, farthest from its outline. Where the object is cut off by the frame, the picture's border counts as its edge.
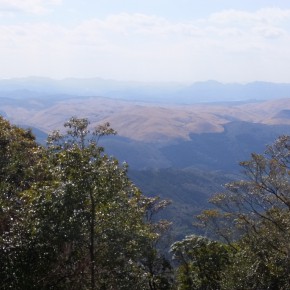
(150, 127)
(167, 92)
(145, 112)
(171, 135)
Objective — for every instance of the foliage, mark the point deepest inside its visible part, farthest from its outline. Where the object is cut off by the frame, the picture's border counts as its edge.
(253, 216)
(21, 167)
(70, 217)
(201, 263)
(188, 189)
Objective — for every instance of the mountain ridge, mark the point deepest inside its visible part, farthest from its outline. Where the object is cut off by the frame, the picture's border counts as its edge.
(144, 122)
(162, 92)
(164, 142)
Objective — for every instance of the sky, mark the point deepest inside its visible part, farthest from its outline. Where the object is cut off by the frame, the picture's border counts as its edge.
(146, 40)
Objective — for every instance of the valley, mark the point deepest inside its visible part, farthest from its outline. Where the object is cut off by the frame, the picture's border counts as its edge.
(181, 152)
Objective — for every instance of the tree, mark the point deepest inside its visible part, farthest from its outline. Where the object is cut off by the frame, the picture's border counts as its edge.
(70, 217)
(19, 155)
(201, 263)
(159, 270)
(253, 216)
(21, 167)
(109, 207)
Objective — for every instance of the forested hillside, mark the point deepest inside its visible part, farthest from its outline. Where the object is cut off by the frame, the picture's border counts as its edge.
(188, 190)
(144, 145)
(70, 218)
(249, 230)
(205, 137)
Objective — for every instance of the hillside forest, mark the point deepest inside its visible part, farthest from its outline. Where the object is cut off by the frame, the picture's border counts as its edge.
(71, 218)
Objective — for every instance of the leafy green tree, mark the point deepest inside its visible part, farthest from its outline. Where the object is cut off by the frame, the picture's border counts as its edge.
(21, 167)
(19, 155)
(114, 213)
(110, 209)
(253, 216)
(70, 217)
(200, 263)
(159, 270)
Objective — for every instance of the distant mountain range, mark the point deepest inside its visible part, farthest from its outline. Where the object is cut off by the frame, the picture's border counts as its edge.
(182, 142)
(151, 134)
(208, 91)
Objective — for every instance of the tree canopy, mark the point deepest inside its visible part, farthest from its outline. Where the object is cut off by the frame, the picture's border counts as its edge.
(251, 223)
(70, 218)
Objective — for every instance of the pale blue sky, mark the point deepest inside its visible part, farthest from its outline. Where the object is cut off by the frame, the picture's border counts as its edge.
(152, 40)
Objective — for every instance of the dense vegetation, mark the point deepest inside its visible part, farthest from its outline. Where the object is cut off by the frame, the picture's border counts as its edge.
(70, 218)
(188, 189)
(249, 227)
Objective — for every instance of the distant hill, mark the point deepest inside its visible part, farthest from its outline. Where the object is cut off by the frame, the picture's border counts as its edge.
(139, 121)
(183, 149)
(206, 151)
(209, 135)
(188, 189)
(167, 92)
